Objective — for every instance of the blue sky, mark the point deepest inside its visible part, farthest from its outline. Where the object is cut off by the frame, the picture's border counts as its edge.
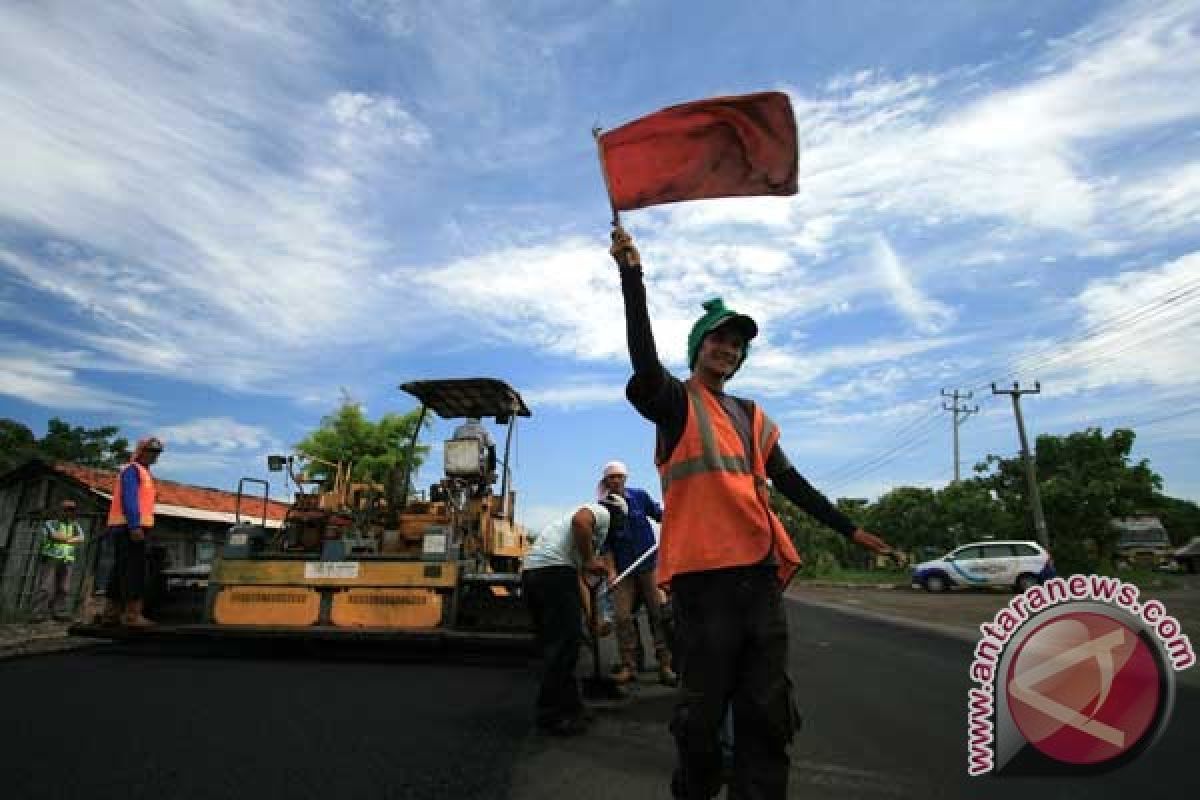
(216, 216)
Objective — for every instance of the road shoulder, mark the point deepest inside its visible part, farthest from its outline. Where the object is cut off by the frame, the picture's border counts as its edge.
(19, 639)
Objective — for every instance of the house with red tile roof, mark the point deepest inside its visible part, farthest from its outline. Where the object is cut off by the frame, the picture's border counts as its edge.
(190, 523)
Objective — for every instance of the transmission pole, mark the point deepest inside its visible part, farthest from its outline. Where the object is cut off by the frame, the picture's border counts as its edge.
(960, 416)
(1035, 499)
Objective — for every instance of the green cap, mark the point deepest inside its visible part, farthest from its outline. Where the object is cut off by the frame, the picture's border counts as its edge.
(716, 315)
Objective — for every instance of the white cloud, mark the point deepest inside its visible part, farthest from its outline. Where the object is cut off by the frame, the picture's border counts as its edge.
(50, 379)
(926, 314)
(562, 298)
(1164, 201)
(1138, 327)
(778, 371)
(369, 126)
(221, 434)
(575, 396)
(183, 463)
(874, 147)
(202, 203)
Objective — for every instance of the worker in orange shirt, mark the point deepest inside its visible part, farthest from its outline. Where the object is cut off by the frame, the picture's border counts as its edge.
(130, 522)
(722, 550)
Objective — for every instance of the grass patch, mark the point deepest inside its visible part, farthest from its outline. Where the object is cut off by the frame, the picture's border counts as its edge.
(864, 576)
(1145, 579)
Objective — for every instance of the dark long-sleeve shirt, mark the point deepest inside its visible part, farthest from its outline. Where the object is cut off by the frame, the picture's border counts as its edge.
(662, 398)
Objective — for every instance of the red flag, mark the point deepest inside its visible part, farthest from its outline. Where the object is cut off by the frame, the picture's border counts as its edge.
(721, 147)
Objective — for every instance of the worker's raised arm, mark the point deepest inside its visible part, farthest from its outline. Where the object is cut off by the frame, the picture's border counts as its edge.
(655, 393)
(643, 355)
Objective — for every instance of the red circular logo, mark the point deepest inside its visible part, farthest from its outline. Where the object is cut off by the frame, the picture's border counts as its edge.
(1084, 688)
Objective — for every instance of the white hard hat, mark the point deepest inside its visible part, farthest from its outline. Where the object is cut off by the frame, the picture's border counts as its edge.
(615, 468)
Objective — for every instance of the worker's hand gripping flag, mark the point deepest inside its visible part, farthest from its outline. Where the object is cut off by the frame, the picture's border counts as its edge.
(720, 147)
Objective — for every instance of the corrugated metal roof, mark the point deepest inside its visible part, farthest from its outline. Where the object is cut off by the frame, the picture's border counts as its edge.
(254, 518)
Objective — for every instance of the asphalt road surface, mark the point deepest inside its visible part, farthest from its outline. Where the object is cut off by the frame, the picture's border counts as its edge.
(884, 717)
(130, 722)
(884, 714)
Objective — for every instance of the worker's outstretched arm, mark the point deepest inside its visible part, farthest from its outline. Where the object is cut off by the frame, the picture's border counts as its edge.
(792, 485)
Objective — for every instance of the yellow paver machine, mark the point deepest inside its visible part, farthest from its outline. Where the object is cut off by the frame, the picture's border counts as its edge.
(387, 559)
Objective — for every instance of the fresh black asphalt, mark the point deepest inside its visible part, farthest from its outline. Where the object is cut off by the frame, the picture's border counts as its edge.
(884, 707)
(887, 706)
(131, 722)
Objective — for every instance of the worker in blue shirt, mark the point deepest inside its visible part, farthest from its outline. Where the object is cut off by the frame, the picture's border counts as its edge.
(626, 548)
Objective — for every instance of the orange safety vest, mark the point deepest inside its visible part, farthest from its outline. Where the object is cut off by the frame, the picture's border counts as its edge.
(716, 505)
(146, 496)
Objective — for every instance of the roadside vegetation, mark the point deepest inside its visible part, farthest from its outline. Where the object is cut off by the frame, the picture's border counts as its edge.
(1086, 480)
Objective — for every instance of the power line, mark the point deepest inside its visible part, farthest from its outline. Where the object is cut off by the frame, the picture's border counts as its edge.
(1166, 305)
(1159, 305)
(1165, 417)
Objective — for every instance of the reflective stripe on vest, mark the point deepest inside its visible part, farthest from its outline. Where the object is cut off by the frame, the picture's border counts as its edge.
(146, 497)
(715, 498)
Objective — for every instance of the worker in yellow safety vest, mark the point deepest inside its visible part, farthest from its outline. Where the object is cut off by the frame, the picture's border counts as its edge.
(130, 522)
(60, 537)
(723, 553)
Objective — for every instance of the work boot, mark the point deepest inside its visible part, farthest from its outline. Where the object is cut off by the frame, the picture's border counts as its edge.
(132, 617)
(110, 617)
(626, 674)
(666, 675)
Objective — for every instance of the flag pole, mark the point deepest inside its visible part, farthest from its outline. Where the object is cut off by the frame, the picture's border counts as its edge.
(616, 217)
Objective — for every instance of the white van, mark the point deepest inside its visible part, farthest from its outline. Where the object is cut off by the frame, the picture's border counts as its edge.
(1013, 564)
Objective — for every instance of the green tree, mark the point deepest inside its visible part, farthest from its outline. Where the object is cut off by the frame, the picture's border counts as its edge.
(92, 447)
(17, 444)
(373, 449)
(970, 511)
(822, 549)
(908, 517)
(1180, 517)
(1086, 480)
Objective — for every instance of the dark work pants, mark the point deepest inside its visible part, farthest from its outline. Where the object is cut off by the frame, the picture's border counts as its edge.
(552, 595)
(128, 578)
(731, 646)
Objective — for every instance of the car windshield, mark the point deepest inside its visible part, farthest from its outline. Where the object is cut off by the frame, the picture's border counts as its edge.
(1144, 536)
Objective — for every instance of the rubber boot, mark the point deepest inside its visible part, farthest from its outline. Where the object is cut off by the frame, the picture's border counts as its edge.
(132, 618)
(666, 675)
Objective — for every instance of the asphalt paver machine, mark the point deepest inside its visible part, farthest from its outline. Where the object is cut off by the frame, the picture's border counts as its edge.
(367, 559)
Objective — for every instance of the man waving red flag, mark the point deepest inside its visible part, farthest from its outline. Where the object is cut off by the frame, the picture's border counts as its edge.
(720, 147)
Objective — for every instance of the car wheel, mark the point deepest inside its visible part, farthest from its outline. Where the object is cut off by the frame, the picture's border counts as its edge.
(1025, 581)
(935, 583)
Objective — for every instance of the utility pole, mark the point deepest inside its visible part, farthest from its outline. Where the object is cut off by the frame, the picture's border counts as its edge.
(960, 416)
(1035, 499)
